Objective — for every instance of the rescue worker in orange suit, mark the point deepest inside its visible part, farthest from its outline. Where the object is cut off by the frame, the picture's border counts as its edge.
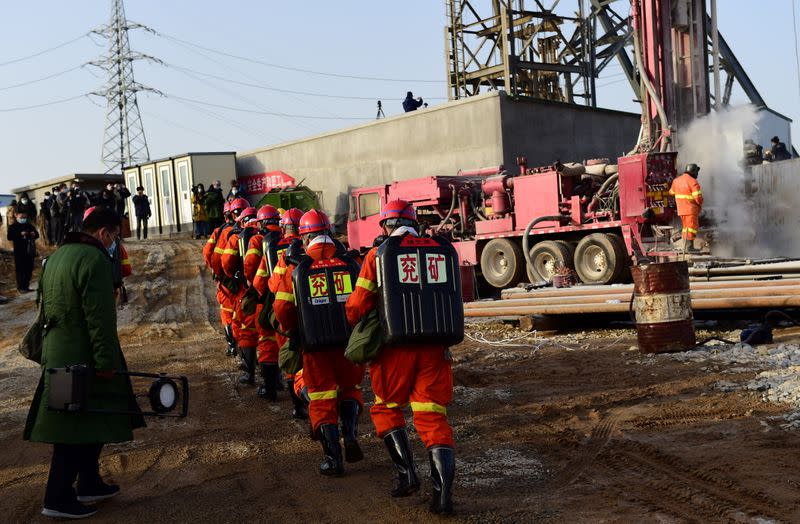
(689, 200)
(212, 253)
(267, 218)
(418, 374)
(264, 282)
(233, 267)
(332, 381)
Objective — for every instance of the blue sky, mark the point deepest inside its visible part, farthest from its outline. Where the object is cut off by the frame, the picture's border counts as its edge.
(401, 40)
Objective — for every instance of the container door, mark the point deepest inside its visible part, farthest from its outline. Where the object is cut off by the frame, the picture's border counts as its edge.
(132, 182)
(149, 184)
(167, 200)
(185, 192)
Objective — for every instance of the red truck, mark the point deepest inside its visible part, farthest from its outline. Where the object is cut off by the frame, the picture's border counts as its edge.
(592, 223)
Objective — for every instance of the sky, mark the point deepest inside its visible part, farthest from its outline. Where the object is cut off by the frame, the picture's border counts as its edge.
(402, 41)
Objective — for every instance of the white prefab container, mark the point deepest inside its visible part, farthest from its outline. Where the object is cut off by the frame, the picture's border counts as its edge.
(168, 183)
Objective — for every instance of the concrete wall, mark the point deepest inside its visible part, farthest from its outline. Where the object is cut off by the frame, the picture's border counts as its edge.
(776, 208)
(476, 132)
(435, 141)
(548, 131)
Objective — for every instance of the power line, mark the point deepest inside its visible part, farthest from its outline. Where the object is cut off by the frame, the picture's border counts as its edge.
(296, 69)
(260, 112)
(52, 103)
(187, 128)
(227, 66)
(54, 75)
(289, 91)
(34, 55)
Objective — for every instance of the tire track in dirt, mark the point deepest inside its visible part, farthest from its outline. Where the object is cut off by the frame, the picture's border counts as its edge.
(598, 439)
(703, 495)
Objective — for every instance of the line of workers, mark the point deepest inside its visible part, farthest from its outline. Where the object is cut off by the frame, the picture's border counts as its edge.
(285, 286)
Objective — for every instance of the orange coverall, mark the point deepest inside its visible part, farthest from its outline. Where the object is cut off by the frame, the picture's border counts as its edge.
(267, 341)
(689, 200)
(328, 376)
(127, 269)
(231, 261)
(264, 281)
(419, 375)
(212, 252)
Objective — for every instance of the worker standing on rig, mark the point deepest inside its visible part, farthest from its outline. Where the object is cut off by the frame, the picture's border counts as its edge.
(689, 200)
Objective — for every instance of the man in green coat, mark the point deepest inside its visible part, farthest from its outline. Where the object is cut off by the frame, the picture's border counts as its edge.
(213, 202)
(81, 328)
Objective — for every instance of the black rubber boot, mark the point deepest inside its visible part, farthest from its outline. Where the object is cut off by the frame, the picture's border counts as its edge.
(231, 351)
(443, 470)
(269, 389)
(400, 451)
(249, 358)
(299, 409)
(332, 465)
(348, 413)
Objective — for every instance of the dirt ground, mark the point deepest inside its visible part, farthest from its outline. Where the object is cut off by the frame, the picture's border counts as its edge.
(576, 428)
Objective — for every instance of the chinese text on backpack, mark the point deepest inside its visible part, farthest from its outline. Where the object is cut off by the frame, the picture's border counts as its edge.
(419, 284)
(321, 289)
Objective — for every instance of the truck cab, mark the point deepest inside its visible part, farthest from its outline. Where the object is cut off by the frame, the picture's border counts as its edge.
(363, 221)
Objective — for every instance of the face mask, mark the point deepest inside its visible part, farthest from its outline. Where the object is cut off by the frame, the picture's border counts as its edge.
(22, 220)
(24, 200)
(112, 249)
(234, 190)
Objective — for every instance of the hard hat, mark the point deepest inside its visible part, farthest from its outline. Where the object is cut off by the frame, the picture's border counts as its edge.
(248, 214)
(313, 221)
(238, 204)
(291, 217)
(226, 208)
(398, 209)
(88, 212)
(692, 169)
(268, 212)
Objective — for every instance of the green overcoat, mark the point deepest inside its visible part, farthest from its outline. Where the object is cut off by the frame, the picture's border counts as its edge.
(80, 312)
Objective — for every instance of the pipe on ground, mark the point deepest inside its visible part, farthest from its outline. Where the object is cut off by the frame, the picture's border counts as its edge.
(755, 302)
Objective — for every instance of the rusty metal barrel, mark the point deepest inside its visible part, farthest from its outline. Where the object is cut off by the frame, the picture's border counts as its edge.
(663, 307)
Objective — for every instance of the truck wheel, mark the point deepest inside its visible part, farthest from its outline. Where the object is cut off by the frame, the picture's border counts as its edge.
(600, 259)
(502, 263)
(546, 256)
(625, 276)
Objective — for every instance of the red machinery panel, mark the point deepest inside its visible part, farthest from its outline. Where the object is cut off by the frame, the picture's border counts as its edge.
(536, 196)
(644, 182)
(497, 225)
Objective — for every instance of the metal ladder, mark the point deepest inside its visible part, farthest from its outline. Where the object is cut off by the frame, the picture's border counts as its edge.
(456, 76)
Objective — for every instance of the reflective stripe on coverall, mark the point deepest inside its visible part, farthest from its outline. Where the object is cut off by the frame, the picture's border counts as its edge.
(689, 201)
(329, 377)
(419, 376)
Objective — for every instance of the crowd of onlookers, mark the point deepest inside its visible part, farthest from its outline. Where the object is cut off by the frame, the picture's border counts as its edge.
(208, 205)
(62, 208)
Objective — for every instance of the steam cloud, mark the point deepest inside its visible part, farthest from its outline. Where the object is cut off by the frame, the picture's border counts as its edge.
(715, 143)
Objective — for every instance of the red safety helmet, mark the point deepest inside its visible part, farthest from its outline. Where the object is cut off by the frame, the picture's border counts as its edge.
(239, 204)
(268, 212)
(398, 209)
(291, 217)
(313, 221)
(226, 208)
(88, 212)
(249, 213)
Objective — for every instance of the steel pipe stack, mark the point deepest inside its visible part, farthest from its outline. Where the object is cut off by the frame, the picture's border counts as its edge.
(705, 296)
